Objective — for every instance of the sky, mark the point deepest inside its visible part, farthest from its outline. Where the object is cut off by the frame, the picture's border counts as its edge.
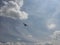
(41, 16)
(44, 16)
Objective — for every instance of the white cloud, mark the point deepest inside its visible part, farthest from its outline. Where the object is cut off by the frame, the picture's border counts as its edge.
(56, 38)
(12, 9)
(56, 35)
(51, 26)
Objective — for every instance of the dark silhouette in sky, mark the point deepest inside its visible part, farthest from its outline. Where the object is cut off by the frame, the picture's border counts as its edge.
(25, 24)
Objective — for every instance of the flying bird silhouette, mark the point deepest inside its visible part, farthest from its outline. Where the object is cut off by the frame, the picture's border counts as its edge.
(25, 24)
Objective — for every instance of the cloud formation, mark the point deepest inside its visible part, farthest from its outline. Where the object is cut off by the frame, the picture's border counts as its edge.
(12, 8)
(55, 38)
(51, 26)
(56, 35)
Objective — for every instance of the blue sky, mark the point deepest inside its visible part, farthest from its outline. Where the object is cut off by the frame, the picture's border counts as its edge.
(40, 12)
(44, 16)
